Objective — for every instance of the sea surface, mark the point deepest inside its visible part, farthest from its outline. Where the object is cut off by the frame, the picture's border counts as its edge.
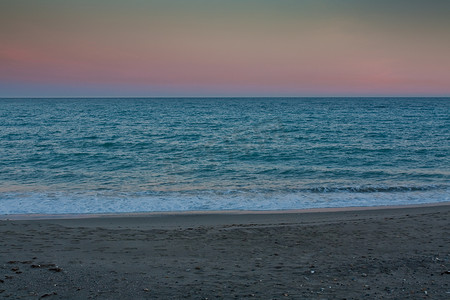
(112, 155)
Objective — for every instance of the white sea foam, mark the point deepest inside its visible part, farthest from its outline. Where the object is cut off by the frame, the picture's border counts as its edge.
(95, 203)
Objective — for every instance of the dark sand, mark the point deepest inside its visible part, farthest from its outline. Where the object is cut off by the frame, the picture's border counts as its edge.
(375, 254)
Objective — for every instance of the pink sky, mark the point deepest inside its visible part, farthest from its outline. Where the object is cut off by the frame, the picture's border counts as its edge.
(229, 48)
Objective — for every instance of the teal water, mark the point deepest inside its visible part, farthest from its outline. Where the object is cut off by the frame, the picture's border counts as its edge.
(140, 155)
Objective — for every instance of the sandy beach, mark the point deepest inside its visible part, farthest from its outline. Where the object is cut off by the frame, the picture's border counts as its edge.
(385, 253)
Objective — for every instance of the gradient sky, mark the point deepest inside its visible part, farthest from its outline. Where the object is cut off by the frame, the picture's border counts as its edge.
(58, 48)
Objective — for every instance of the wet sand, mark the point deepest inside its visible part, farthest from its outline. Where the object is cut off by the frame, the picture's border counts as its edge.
(386, 253)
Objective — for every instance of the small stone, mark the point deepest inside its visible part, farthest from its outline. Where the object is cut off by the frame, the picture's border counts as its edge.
(55, 269)
(48, 294)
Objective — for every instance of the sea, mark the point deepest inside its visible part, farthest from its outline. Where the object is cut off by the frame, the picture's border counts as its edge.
(130, 155)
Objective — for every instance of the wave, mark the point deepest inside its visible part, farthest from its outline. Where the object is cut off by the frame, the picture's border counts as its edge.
(108, 201)
(377, 189)
(309, 190)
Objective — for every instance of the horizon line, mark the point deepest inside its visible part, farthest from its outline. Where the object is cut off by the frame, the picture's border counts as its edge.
(210, 97)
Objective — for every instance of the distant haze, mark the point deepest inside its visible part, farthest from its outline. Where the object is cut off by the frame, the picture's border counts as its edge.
(54, 48)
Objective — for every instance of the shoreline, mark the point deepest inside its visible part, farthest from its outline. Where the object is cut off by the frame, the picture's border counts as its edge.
(394, 253)
(40, 216)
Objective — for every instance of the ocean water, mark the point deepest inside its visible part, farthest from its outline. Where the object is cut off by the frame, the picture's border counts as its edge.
(64, 156)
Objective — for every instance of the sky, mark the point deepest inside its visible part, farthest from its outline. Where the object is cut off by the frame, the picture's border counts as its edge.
(192, 48)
